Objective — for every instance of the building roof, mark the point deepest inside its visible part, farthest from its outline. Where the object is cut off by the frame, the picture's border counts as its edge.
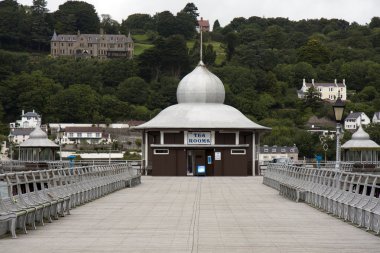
(200, 97)
(277, 149)
(82, 129)
(200, 86)
(93, 38)
(377, 114)
(38, 138)
(135, 122)
(21, 131)
(360, 140)
(201, 116)
(31, 114)
(203, 23)
(354, 115)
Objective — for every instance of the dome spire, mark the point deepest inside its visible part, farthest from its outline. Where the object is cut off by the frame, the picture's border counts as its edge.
(201, 47)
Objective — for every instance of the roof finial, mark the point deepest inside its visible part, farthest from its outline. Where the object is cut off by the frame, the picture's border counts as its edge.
(201, 53)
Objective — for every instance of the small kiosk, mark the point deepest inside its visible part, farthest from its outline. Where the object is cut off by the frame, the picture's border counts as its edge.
(361, 148)
(38, 147)
(201, 135)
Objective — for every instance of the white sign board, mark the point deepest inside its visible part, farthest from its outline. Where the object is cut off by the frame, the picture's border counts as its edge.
(218, 156)
(199, 138)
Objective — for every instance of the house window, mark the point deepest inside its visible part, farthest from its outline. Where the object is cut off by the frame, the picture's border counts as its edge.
(283, 150)
(89, 134)
(265, 150)
(79, 135)
(71, 135)
(238, 152)
(97, 135)
(273, 150)
(161, 151)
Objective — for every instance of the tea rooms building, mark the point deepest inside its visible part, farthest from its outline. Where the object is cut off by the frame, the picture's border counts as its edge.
(201, 135)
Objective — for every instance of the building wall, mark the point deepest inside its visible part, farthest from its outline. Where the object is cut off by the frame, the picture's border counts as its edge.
(174, 163)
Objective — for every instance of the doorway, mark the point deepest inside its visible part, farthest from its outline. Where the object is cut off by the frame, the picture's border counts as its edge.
(198, 159)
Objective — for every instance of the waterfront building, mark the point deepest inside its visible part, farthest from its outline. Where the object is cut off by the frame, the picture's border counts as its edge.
(38, 147)
(268, 153)
(201, 135)
(360, 148)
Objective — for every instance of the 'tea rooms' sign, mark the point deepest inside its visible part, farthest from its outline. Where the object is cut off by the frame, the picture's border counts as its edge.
(200, 138)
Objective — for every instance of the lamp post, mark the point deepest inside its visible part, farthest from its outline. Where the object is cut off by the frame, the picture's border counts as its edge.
(338, 108)
(60, 135)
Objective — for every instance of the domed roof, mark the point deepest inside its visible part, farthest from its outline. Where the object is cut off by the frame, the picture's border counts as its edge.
(38, 138)
(37, 133)
(201, 116)
(360, 134)
(360, 139)
(200, 86)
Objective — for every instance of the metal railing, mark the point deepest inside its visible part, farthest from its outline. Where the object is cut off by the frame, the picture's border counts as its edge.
(348, 195)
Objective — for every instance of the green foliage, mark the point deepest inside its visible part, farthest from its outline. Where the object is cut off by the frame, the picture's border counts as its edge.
(128, 155)
(374, 132)
(73, 16)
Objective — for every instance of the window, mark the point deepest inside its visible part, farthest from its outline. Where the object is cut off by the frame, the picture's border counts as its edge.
(71, 135)
(274, 150)
(79, 135)
(238, 151)
(265, 150)
(161, 151)
(283, 150)
(89, 134)
(97, 135)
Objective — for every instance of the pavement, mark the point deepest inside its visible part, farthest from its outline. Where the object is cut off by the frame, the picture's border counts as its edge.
(195, 214)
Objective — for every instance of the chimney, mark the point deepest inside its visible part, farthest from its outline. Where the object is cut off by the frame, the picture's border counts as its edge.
(101, 31)
(335, 81)
(312, 81)
(33, 110)
(344, 82)
(201, 18)
(303, 82)
(78, 32)
(22, 112)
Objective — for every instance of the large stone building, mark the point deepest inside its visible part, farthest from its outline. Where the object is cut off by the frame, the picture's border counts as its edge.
(200, 135)
(92, 45)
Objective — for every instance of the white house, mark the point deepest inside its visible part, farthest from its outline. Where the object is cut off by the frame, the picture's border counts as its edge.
(329, 91)
(268, 153)
(20, 130)
(28, 120)
(376, 118)
(355, 119)
(90, 135)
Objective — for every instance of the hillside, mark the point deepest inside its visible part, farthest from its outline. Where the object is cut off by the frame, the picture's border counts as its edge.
(261, 62)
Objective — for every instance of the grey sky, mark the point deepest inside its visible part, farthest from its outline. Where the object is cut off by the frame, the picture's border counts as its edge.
(360, 11)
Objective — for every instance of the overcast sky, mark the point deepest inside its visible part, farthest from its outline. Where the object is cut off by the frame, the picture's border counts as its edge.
(360, 11)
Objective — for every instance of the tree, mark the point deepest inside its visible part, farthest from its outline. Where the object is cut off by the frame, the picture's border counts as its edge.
(313, 98)
(133, 90)
(137, 23)
(375, 23)
(231, 40)
(314, 52)
(77, 103)
(76, 15)
(109, 25)
(216, 27)
(40, 32)
(166, 23)
(191, 10)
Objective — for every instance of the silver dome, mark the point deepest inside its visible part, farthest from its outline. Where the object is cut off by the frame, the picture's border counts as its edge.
(38, 138)
(200, 86)
(360, 139)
